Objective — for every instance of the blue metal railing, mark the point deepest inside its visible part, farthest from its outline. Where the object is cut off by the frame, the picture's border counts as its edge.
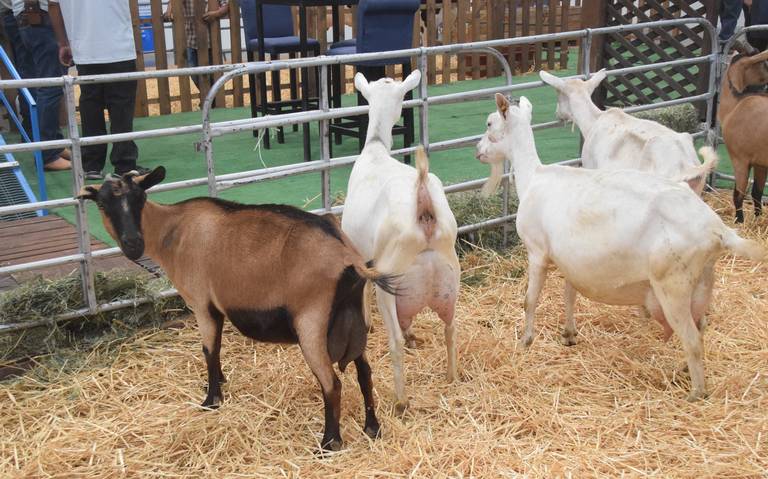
(33, 121)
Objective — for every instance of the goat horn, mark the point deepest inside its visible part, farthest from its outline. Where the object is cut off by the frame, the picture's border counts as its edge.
(743, 46)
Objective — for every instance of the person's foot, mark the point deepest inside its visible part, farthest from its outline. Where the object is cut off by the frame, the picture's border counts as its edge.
(94, 175)
(66, 154)
(59, 164)
(138, 169)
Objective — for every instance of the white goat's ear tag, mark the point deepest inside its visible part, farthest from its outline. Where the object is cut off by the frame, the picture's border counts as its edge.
(502, 105)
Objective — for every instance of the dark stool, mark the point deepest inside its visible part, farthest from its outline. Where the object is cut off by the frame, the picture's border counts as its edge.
(382, 25)
(278, 39)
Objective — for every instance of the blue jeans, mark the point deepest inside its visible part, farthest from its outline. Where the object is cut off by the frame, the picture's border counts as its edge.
(22, 60)
(192, 61)
(40, 42)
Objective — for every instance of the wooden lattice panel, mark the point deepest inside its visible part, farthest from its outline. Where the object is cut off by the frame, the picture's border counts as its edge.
(654, 45)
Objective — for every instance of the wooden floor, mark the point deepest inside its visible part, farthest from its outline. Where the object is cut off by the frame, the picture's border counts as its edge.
(46, 237)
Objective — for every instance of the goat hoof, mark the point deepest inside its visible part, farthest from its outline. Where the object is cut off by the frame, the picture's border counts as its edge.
(373, 430)
(569, 339)
(331, 445)
(697, 395)
(411, 342)
(400, 407)
(526, 341)
(211, 403)
(739, 218)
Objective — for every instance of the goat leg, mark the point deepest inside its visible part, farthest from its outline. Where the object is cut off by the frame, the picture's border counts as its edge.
(757, 188)
(371, 428)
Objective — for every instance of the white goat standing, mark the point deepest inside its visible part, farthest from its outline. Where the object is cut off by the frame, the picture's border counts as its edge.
(399, 216)
(617, 140)
(619, 236)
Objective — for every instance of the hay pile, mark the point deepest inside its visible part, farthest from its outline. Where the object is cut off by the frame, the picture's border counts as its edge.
(45, 298)
(613, 404)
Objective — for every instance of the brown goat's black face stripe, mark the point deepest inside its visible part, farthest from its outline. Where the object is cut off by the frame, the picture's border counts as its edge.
(326, 225)
(269, 326)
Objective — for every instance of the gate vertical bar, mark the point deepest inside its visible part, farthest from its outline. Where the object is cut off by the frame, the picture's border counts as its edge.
(83, 235)
(325, 147)
(714, 76)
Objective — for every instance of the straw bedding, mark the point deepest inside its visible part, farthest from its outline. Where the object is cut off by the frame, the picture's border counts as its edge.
(614, 404)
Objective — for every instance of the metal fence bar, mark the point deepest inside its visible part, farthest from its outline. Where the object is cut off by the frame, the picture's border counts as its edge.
(209, 130)
(78, 180)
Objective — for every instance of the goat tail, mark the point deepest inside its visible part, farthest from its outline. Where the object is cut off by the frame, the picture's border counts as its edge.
(422, 164)
(383, 281)
(425, 210)
(745, 248)
(696, 177)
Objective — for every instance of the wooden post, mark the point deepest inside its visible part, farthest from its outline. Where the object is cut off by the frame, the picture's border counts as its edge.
(538, 31)
(237, 52)
(431, 41)
(525, 30)
(201, 32)
(564, 16)
(462, 7)
(180, 53)
(447, 38)
(161, 57)
(512, 5)
(142, 109)
(552, 11)
(475, 36)
(214, 29)
(593, 14)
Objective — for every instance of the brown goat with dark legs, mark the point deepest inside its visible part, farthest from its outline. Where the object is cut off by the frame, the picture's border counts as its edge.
(743, 116)
(278, 273)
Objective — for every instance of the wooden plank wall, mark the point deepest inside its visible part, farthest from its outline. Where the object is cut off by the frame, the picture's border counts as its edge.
(439, 22)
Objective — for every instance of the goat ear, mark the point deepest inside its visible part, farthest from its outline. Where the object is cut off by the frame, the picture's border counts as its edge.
(362, 84)
(88, 192)
(551, 80)
(502, 105)
(411, 81)
(596, 79)
(757, 58)
(526, 106)
(150, 179)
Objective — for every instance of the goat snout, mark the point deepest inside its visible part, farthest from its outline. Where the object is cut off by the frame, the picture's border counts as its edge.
(132, 246)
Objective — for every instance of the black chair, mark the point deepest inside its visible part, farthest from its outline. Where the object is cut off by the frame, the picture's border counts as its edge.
(382, 25)
(278, 39)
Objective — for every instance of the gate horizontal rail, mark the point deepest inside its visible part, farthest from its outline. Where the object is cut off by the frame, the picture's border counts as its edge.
(211, 130)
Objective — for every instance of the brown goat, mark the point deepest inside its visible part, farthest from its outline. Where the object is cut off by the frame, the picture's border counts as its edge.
(743, 116)
(278, 273)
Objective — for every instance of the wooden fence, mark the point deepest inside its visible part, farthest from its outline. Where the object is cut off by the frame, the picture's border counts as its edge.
(438, 22)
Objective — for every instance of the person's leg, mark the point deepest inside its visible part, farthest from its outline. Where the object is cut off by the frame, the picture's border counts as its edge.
(40, 41)
(121, 103)
(729, 16)
(22, 60)
(193, 62)
(92, 104)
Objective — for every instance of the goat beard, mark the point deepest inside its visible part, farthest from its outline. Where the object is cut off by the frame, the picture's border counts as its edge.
(490, 186)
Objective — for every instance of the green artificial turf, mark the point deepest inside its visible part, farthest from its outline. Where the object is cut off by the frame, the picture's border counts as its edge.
(237, 152)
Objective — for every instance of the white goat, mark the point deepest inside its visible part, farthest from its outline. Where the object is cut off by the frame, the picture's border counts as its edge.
(617, 140)
(619, 236)
(399, 216)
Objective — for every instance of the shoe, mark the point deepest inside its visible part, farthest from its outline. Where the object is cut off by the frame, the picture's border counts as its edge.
(94, 175)
(66, 154)
(59, 164)
(138, 169)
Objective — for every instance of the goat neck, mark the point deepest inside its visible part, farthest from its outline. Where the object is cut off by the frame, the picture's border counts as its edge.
(157, 222)
(585, 113)
(521, 151)
(379, 126)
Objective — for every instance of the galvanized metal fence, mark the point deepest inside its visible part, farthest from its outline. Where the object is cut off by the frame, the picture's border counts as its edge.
(210, 130)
